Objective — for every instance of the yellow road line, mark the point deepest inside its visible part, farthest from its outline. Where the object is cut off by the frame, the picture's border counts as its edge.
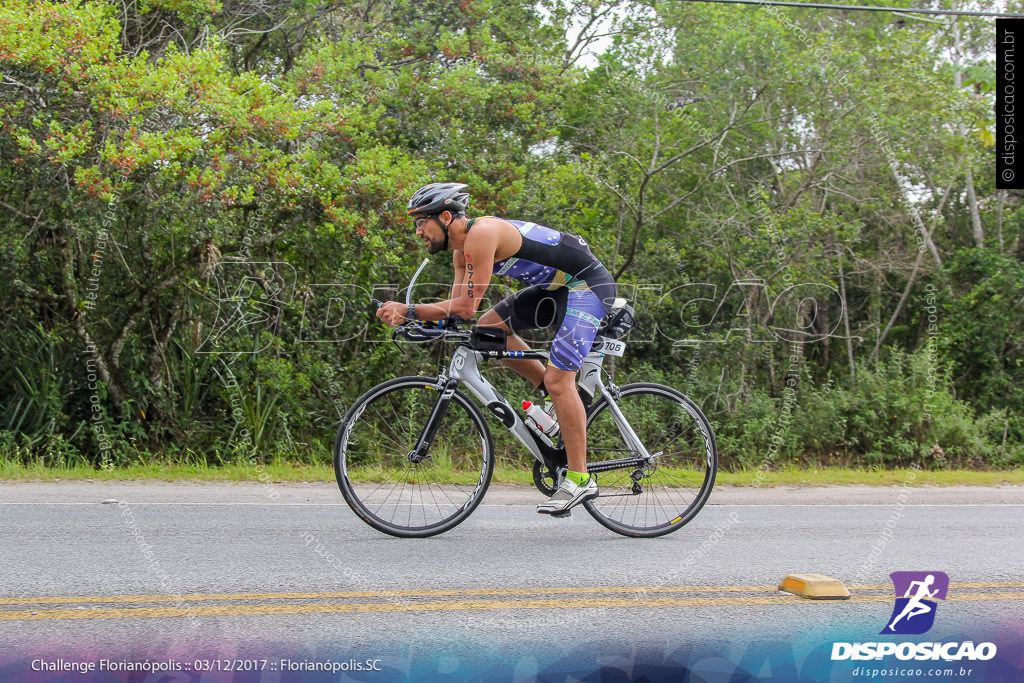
(975, 597)
(443, 605)
(200, 597)
(380, 594)
(997, 584)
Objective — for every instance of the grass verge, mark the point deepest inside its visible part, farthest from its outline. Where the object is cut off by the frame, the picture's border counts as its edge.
(505, 474)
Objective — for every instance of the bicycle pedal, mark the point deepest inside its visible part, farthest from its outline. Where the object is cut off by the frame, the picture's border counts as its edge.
(560, 515)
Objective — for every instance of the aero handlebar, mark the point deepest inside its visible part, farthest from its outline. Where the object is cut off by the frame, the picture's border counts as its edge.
(422, 331)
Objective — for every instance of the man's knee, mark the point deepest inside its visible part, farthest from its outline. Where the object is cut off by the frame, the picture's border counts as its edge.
(492, 319)
(557, 380)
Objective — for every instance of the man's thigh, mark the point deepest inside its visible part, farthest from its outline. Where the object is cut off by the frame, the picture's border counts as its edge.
(576, 334)
(533, 308)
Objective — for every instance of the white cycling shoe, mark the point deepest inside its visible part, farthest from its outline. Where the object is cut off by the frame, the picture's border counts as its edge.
(568, 496)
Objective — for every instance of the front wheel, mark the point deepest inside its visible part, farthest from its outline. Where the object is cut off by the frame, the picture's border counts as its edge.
(659, 494)
(383, 484)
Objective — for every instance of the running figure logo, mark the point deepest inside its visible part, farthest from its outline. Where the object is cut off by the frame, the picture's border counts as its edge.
(914, 612)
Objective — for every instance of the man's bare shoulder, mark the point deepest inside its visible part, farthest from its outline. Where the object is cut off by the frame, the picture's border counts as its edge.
(492, 225)
(492, 234)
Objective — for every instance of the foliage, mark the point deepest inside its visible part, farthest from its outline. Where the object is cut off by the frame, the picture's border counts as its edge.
(200, 196)
(902, 413)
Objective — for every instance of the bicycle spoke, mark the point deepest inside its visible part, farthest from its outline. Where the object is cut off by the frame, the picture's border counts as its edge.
(400, 497)
(673, 485)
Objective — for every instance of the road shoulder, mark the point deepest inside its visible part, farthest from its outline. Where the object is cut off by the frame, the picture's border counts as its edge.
(326, 493)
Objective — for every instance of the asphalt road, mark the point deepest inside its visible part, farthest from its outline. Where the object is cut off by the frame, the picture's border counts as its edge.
(284, 577)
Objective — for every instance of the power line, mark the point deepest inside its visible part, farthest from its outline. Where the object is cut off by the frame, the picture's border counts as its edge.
(864, 8)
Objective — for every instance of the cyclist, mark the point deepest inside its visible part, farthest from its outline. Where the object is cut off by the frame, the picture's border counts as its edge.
(569, 289)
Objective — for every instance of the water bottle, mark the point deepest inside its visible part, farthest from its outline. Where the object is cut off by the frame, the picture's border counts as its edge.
(540, 419)
(549, 409)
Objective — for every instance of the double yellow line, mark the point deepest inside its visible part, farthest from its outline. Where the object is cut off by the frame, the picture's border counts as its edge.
(420, 601)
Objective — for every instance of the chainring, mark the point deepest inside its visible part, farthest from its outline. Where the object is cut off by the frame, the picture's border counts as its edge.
(544, 479)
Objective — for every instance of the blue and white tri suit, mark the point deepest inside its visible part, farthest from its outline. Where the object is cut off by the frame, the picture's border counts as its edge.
(568, 288)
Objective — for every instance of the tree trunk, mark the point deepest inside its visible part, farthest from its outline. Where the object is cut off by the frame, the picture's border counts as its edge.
(972, 199)
(77, 319)
(910, 281)
(999, 220)
(846, 321)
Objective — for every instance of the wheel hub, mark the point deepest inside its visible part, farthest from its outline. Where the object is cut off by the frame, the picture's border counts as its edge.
(415, 457)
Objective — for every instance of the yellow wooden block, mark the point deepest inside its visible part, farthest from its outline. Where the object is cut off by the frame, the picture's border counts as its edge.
(815, 587)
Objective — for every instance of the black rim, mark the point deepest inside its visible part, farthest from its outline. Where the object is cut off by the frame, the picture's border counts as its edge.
(395, 495)
(650, 498)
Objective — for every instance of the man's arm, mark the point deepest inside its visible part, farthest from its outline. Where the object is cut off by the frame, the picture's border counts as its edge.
(459, 283)
(473, 269)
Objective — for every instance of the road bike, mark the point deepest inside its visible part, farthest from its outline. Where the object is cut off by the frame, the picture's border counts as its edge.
(414, 455)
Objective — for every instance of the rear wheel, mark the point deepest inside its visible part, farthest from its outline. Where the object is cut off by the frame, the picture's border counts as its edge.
(382, 484)
(659, 494)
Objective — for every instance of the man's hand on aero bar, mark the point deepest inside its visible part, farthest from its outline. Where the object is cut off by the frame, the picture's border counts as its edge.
(392, 313)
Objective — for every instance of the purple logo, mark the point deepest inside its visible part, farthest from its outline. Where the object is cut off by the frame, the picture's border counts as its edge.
(916, 593)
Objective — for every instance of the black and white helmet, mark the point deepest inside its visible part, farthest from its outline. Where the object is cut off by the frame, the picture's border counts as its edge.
(434, 198)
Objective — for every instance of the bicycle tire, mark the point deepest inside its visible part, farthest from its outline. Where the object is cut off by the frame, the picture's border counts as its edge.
(432, 496)
(665, 495)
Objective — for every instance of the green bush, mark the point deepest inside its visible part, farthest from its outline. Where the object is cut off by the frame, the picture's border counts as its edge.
(901, 412)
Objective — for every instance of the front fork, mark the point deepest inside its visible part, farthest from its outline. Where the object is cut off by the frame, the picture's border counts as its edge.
(625, 429)
(422, 449)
